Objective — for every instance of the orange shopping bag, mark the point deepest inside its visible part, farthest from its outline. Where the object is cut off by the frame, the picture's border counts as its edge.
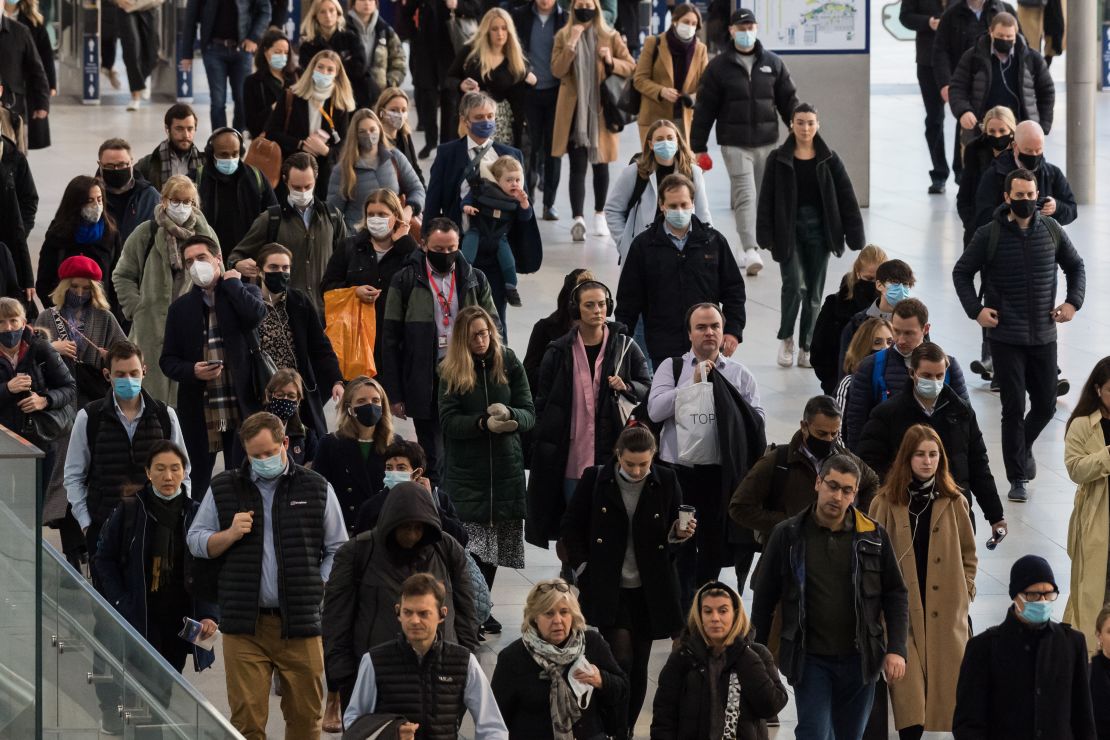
(350, 325)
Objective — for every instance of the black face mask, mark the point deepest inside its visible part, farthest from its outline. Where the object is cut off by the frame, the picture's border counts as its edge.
(1002, 46)
(442, 261)
(584, 15)
(276, 282)
(368, 414)
(282, 408)
(821, 448)
(998, 143)
(1023, 208)
(116, 179)
(1031, 162)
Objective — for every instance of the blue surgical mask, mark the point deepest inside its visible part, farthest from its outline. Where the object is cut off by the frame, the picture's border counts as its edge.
(1036, 612)
(665, 149)
(268, 467)
(678, 217)
(127, 388)
(744, 39)
(896, 292)
(393, 477)
(322, 81)
(11, 339)
(483, 129)
(227, 166)
(929, 389)
(278, 61)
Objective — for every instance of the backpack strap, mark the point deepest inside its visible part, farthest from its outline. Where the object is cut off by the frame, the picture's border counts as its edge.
(273, 221)
(676, 368)
(992, 241)
(782, 469)
(878, 377)
(637, 193)
(1054, 230)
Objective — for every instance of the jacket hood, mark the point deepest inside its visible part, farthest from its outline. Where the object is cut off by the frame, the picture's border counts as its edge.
(410, 502)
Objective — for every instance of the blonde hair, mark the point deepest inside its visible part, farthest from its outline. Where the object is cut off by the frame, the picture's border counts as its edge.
(457, 368)
(683, 158)
(741, 625)
(872, 254)
(544, 597)
(177, 185)
(598, 22)
(30, 8)
(10, 308)
(341, 94)
(388, 95)
(347, 426)
(505, 163)
(310, 30)
(99, 295)
(349, 154)
(480, 49)
(387, 198)
(1002, 112)
(860, 346)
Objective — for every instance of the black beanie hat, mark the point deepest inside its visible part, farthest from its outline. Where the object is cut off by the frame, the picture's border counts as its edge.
(1030, 569)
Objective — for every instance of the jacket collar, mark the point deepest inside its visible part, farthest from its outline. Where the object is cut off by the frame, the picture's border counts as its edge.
(698, 233)
(608, 474)
(734, 57)
(860, 522)
(785, 153)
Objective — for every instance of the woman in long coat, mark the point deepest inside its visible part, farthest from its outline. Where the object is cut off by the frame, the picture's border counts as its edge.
(666, 79)
(927, 519)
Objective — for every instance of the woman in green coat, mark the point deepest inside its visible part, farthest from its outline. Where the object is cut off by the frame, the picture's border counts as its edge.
(484, 407)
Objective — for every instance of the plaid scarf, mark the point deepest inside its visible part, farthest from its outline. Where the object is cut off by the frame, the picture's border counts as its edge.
(221, 408)
(164, 154)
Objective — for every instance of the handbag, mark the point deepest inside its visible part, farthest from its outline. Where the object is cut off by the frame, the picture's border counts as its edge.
(625, 405)
(262, 366)
(265, 154)
(612, 87)
(50, 423)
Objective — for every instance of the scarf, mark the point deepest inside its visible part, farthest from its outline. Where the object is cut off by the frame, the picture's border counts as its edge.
(89, 233)
(165, 547)
(221, 408)
(583, 411)
(682, 56)
(555, 661)
(585, 131)
(164, 157)
(316, 100)
(172, 232)
(925, 489)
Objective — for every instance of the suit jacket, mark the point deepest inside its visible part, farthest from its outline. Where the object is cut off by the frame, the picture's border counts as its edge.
(446, 177)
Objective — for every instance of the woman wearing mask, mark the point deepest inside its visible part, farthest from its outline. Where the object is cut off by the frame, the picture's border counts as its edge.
(272, 74)
(874, 335)
(284, 394)
(856, 293)
(313, 115)
(997, 136)
(930, 531)
(367, 162)
(719, 682)
(150, 274)
(370, 257)
(807, 210)
(632, 205)
(324, 27)
(494, 63)
(381, 47)
(669, 71)
(484, 408)
(352, 458)
(586, 51)
(553, 326)
(393, 113)
(579, 693)
(620, 522)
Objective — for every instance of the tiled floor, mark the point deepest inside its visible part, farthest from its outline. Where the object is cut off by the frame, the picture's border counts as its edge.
(905, 221)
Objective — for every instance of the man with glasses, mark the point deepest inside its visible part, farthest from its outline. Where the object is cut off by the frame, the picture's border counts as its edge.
(130, 198)
(1027, 677)
(833, 575)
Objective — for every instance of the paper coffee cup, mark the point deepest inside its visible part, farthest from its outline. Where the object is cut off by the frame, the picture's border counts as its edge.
(685, 514)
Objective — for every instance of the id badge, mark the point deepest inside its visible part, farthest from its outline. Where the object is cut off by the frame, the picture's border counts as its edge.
(442, 342)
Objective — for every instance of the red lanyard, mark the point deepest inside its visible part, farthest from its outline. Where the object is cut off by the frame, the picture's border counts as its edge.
(444, 302)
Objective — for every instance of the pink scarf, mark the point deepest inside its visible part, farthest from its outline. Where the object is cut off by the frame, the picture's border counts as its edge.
(583, 411)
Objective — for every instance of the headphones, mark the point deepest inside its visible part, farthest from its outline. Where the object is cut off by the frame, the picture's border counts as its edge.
(225, 130)
(572, 304)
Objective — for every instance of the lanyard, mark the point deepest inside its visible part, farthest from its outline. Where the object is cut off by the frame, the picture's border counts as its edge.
(444, 302)
(324, 113)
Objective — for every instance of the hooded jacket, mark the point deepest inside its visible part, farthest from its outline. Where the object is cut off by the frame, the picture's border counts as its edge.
(971, 82)
(366, 578)
(385, 57)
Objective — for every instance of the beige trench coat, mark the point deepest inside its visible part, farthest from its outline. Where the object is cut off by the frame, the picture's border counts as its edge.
(1088, 463)
(938, 629)
(562, 66)
(655, 71)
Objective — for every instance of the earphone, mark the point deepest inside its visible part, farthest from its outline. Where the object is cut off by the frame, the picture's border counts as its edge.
(225, 130)
(572, 304)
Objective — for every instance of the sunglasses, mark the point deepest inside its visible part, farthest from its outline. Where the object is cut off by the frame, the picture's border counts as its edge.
(561, 586)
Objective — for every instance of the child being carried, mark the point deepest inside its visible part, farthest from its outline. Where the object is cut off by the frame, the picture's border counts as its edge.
(492, 206)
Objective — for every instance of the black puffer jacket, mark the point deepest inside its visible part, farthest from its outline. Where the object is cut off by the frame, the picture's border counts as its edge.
(746, 108)
(1021, 282)
(778, 202)
(1051, 183)
(554, 401)
(971, 83)
(978, 158)
(958, 31)
(836, 313)
(50, 379)
(681, 709)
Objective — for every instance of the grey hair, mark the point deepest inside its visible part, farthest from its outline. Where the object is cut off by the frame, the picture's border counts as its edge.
(472, 100)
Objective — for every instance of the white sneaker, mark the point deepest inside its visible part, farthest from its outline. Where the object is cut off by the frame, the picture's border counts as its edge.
(146, 89)
(786, 352)
(578, 229)
(600, 227)
(753, 262)
(803, 358)
(133, 104)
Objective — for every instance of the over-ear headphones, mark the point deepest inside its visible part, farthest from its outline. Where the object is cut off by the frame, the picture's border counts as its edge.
(572, 305)
(225, 130)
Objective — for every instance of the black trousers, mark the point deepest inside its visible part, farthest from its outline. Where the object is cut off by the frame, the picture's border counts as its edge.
(428, 99)
(1020, 369)
(934, 121)
(539, 112)
(699, 560)
(139, 35)
(430, 436)
(200, 476)
(579, 161)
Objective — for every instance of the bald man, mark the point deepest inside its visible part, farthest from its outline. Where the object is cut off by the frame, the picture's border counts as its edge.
(1057, 199)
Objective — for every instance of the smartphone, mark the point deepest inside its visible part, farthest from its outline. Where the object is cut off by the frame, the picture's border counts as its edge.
(999, 535)
(214, 363)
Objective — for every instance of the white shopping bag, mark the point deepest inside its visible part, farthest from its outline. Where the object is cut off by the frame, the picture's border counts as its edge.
(696, 423)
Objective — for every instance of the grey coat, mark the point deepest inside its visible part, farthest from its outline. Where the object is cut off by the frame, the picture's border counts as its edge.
(393, 172)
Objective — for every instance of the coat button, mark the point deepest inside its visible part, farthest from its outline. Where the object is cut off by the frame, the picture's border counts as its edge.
(936, 588)
(349, 490)
(660, 547)
(656, 516)
(599, 540)
(604, 510)
(937, 560)
(936, 529)
(935, 615)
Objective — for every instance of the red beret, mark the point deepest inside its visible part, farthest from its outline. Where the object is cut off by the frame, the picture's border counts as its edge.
(79, 266)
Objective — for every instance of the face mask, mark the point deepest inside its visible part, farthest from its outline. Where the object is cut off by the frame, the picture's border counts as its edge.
(999, 143)
(282, 408)
(378, 226)
(116, 179)
(299, 199)
(202, 273)
(624, 474)
(179, 213)
(665, 149)
(322, 81)
(73, 300)
(278, 61)
(896, 292)
(227, 166)
(442, 261)
(91, 213)
(744, 39)
(929, 389)
(392, 118)
(1002, 46)
(268, 467)
(127, 388)
(393, 477)
(685, 31)
(1036, 612)
(1023, 208)
(821, 448)
(584, 15)
(11, 339)
(1030, 161)
(167, 497)
(276, 282)
(483, 129)
(678, 217)
(367, 141)
(368, 414)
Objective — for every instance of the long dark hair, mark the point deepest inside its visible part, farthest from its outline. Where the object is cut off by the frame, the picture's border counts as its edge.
(1089, 402)
(68, 216)
(261, 64)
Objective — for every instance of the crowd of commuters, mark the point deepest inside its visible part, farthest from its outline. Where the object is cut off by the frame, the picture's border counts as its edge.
(189, 308)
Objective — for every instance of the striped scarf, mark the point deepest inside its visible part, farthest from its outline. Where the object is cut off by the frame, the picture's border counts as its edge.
(221, 408)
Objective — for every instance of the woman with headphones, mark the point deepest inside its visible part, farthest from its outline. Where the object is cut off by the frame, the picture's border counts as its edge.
(585, 379)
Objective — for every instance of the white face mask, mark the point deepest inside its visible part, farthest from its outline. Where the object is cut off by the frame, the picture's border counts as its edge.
(202, 273)
(179, 213)
(300, 199)
(92, 213)
(685, 31)
(378, 226)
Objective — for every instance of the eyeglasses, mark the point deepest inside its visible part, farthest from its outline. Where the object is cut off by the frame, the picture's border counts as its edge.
(280, 396)
(561, 586)
(1039, 595)
(838, 488)
(483, 334)
(115, 166)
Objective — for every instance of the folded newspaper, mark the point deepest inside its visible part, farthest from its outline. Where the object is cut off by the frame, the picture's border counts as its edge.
(191, 633)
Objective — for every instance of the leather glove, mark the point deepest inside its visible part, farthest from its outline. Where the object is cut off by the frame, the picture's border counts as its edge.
(499, 411)
(500, 426)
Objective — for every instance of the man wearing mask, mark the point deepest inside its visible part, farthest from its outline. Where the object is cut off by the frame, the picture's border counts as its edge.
(884, 373)
(111, 440)
(232, 193)
(926, 399)
(781, 483)
(742, 90)
(271, 577)
(1054, 194)
(1022, 335)
(893, 281)
(212, 367)
(423, 299)
(176, 155)
(1026, 678)
(130, 199)
(305, 225)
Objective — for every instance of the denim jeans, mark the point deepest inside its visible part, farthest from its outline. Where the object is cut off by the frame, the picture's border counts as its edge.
(833, 701)
(224, 65)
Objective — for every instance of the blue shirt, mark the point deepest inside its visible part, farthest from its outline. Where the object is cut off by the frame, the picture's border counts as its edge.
(540, 43)
(207, 523)
(679, 242)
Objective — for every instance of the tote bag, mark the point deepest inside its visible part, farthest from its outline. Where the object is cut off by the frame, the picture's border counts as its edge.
(696, 423)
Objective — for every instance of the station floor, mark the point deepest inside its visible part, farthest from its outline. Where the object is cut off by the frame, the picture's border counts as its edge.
(909, 224)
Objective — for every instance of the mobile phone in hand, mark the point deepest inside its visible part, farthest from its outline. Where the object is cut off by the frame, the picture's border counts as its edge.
(999, 534)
